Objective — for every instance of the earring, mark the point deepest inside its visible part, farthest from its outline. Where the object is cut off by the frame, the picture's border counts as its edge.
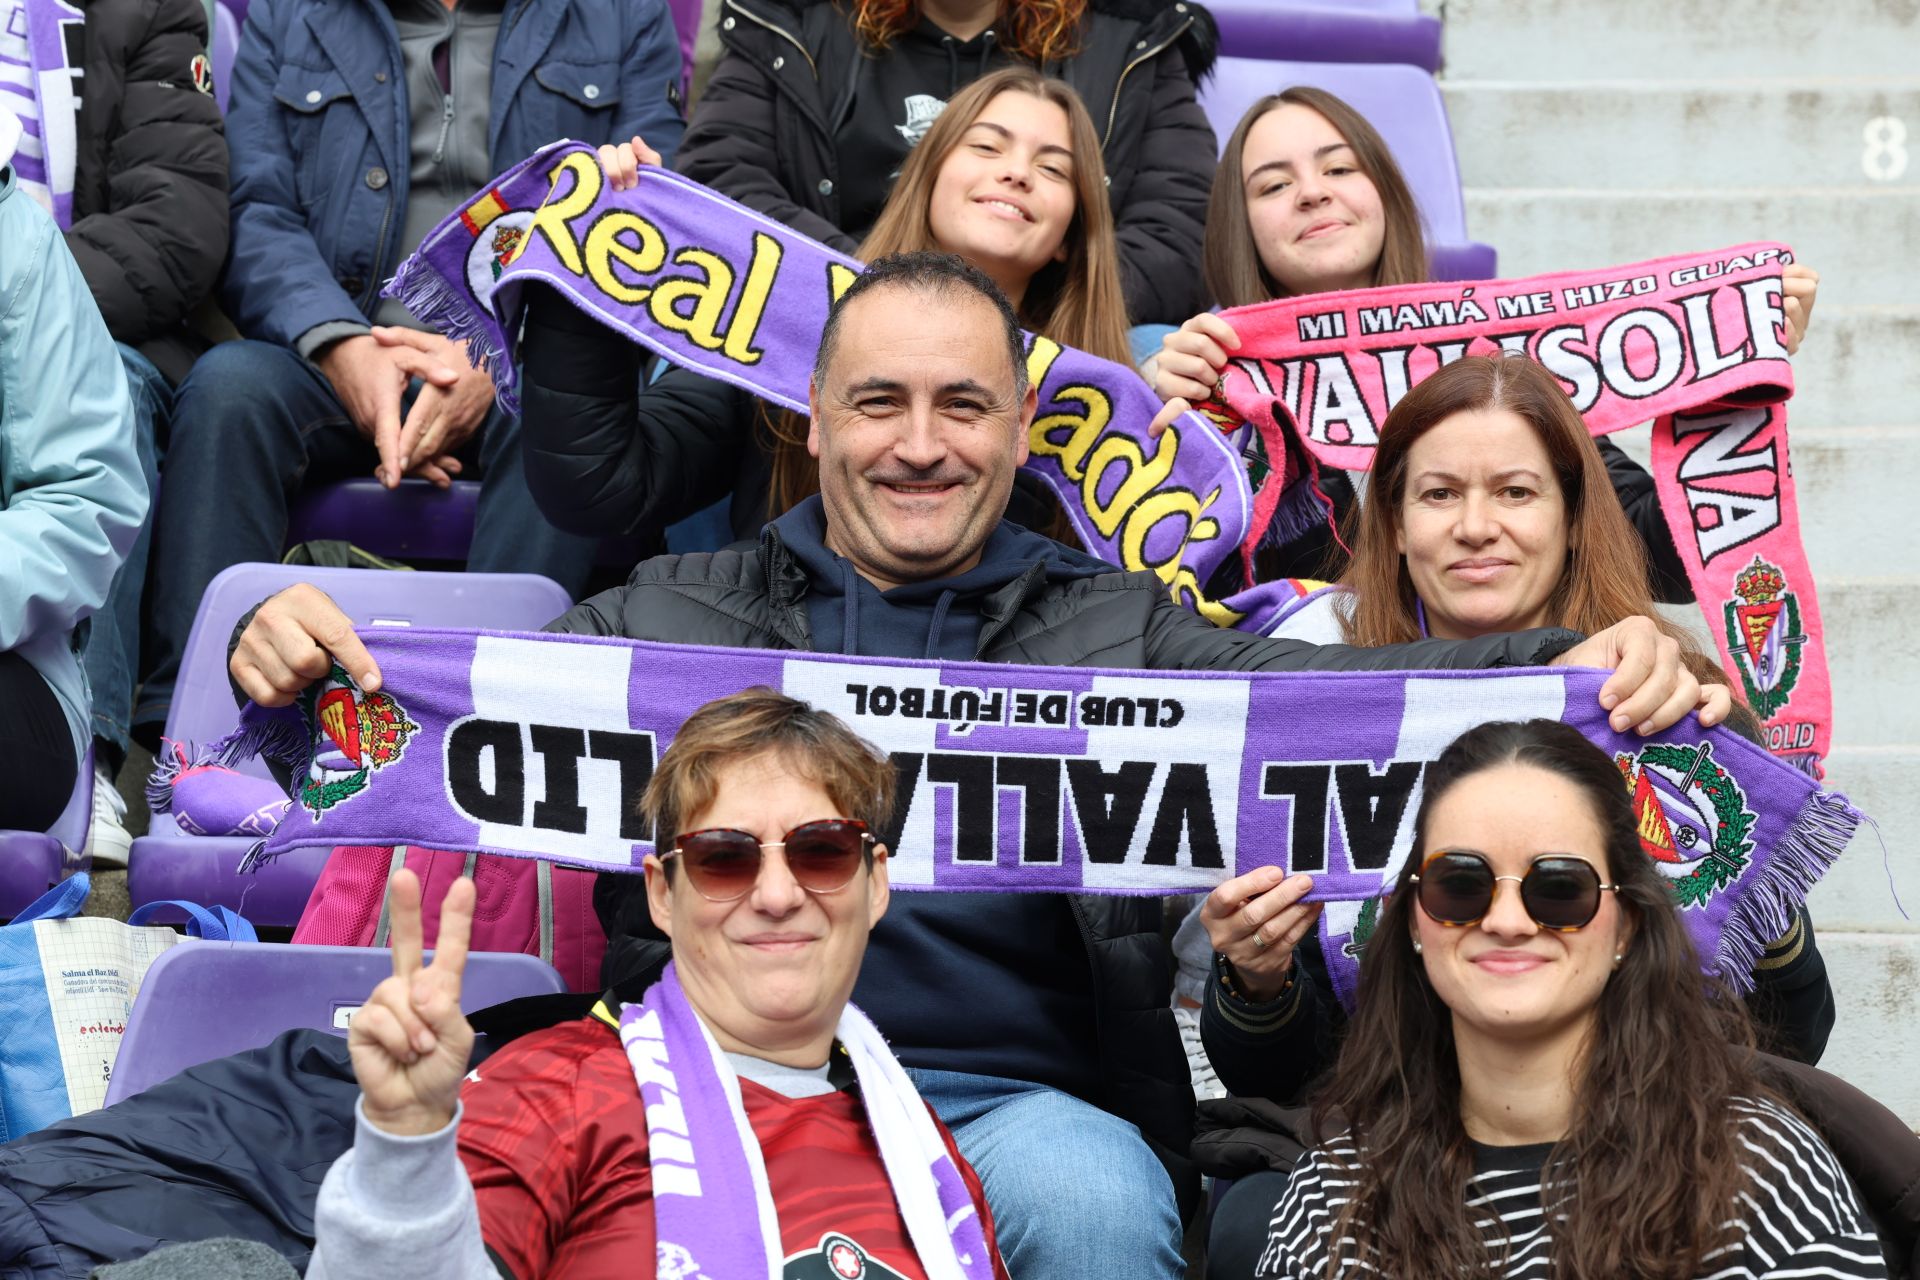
(1416, 946)
(1617, 958)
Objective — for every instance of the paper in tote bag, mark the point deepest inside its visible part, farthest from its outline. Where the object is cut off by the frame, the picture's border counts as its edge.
(67, 984)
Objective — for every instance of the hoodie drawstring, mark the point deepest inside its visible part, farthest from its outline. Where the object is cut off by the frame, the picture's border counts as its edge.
(938, 624)
(850, 588)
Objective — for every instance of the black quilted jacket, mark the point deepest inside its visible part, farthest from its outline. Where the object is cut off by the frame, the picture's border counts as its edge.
(150, 174)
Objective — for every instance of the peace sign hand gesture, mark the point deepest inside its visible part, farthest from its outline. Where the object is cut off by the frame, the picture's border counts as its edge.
(410, 1042)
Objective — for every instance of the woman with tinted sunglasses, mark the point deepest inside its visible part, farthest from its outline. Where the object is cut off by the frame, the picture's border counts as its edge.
(546, 1162)
(1538, 1081)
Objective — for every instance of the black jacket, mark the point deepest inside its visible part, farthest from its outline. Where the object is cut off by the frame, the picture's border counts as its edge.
(150, 175)
(756, 599)
(769, 128)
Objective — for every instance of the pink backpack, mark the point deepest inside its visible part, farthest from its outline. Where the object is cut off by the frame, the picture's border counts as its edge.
(520, 905)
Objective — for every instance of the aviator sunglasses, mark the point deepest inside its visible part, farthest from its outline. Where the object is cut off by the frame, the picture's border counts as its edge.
(1559, 891)
(723, 864)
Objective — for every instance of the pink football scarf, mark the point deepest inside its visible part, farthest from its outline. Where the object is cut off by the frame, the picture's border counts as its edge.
(1692, 343)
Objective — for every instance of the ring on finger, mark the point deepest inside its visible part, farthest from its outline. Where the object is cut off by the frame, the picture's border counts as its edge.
(1259, 941)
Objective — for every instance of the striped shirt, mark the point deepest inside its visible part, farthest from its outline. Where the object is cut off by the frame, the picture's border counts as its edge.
(1799, 1216)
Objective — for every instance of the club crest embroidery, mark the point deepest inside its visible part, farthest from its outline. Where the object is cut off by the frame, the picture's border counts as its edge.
(1764, 636)
(358, 734)
(1363, 927)
(836, 1257)
(1692, 817)
(498, 233)
(201, 71)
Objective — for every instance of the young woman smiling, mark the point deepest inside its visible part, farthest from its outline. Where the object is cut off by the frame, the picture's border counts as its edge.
(1308, 200)
(1009, 177)
(1490, 512)
(1537, 1080)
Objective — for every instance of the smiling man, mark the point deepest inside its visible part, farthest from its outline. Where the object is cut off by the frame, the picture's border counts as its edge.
(1038, 1026)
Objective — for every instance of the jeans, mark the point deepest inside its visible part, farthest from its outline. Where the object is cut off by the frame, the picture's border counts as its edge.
(253, 424)
(1074, 1190)
(113, 641)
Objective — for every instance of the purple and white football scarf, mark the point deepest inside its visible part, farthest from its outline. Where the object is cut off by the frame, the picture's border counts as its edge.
(1691, 340)
(42, 90)
(1012, 778)
(706, 1162)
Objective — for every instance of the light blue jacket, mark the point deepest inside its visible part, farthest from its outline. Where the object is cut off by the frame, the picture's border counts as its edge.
(71, 492)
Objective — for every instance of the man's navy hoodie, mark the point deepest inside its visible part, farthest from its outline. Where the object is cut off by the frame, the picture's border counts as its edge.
(994, 984)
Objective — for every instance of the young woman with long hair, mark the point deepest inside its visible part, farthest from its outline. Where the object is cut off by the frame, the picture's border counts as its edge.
(1490, 512)
(1009, 178)
(1308, 200)
(1538, 1079)
(816, 105)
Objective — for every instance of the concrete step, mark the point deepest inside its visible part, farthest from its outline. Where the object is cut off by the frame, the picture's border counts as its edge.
(1857, 237)
(1693, 134)
(1695, 39)
(1867, 620)
(1876, 1037)
(1858, 366)
(1874, 888)
(1846, 479)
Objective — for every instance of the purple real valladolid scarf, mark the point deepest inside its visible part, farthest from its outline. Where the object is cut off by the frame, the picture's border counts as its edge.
(1012, 778)
(707, 1166)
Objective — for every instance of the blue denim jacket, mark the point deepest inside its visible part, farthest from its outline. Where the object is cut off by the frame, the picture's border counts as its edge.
(318, 124)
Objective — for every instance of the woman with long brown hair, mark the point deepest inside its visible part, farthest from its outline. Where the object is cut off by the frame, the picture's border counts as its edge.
(815, 107)
(1008, 178)
(1538, 1079)
(1490, 511)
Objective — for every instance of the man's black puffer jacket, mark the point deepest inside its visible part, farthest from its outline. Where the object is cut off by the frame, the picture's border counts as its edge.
(755, 599)
(150, 175)
(768, 128)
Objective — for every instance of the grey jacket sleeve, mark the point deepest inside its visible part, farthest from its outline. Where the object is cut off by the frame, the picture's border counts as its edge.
(396, 1206)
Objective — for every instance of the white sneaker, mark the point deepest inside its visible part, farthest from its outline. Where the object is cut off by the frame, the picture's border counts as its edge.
(1205, 1083)
(108, 841)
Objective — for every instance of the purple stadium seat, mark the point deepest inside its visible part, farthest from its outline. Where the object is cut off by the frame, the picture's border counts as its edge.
(166, 863)
(205, 1000)
(1404, 104)
(225, 44)
(414, 522)
(31, 861)
(1329, 31)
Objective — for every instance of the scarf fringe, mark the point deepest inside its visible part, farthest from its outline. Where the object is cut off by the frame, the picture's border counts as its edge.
(1769, 903)
(438, 305)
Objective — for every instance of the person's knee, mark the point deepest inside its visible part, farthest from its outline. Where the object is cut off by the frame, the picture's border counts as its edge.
(1069, 1178)
(239, 395)
(1238, 1236)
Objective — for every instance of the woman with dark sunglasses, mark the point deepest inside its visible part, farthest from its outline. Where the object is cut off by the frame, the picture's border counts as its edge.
(1537, 1080)
(549, 1159)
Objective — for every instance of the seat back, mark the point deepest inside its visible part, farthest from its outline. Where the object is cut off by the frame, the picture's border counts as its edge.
(30, 861)
(1402, 102)
(1329, 30)
(203, 707)
(205, 1000)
